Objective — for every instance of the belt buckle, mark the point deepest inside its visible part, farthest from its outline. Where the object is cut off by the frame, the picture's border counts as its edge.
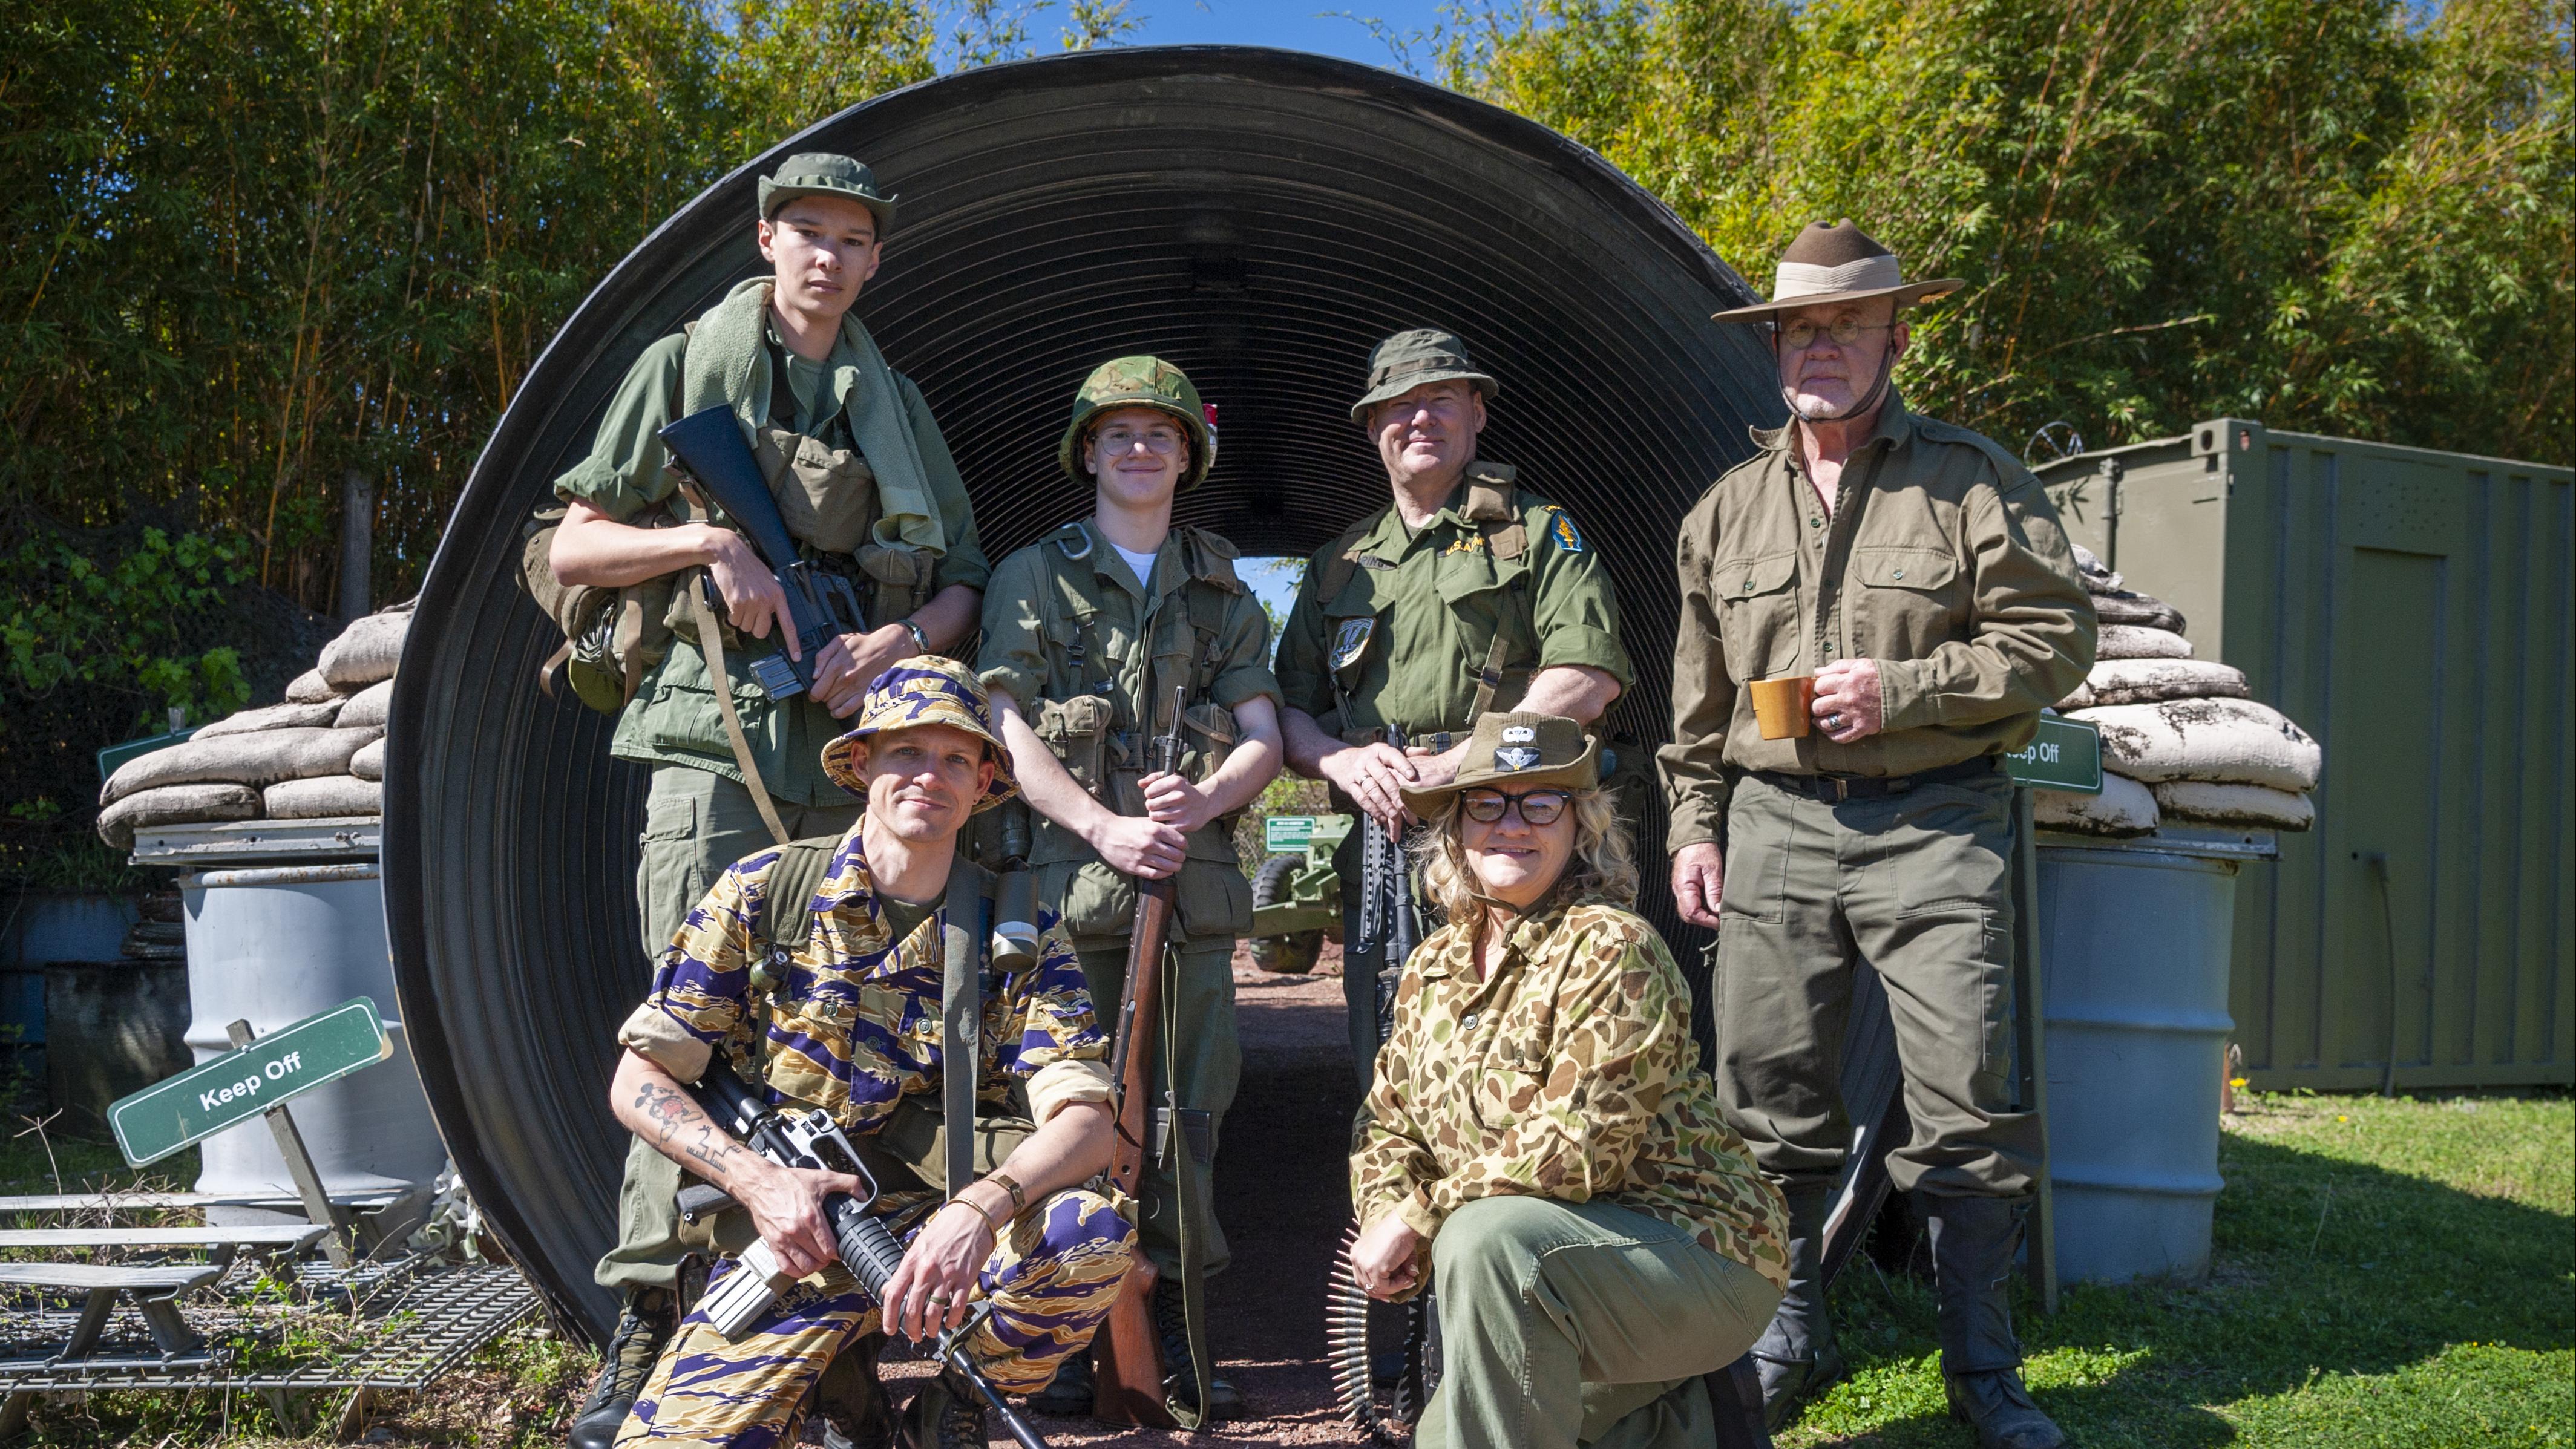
(1840, 790)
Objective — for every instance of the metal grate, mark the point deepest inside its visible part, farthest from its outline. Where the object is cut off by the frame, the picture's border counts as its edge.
(388, 1326)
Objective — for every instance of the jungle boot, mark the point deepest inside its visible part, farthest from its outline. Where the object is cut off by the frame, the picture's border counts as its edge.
(946, 1414)
(1796, 1356)
(852, 1400)
(1973, 1241)
(1072, 1389)
(644, 1326)
(1178, 1382)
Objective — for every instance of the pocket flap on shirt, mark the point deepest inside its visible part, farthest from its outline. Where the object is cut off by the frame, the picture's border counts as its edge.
(1903, 568)
(1746, 578)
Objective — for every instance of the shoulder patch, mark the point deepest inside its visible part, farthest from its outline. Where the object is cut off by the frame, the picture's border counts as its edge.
(1560, 526)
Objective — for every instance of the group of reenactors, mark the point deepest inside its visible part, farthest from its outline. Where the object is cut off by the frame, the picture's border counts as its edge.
(1607, 1220)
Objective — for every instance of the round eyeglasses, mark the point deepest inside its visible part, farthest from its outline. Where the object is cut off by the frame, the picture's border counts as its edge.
(1538, 807)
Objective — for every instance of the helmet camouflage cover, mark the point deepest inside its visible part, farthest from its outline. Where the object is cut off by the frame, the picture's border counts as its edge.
(1140, 382)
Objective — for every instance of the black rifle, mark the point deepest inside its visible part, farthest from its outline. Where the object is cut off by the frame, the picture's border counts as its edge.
(821, 605)
(811, 1139)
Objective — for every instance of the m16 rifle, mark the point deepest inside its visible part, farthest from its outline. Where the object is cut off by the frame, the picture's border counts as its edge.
(1389, 926)
(811, 1139)
(821, 604)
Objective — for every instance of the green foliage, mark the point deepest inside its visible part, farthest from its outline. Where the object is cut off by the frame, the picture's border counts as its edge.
(2345, 216)
(113, 621)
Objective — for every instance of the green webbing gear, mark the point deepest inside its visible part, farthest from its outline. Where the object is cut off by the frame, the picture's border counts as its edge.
(961, 1011)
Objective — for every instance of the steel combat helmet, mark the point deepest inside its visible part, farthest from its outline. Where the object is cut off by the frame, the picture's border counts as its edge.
(1140, 382)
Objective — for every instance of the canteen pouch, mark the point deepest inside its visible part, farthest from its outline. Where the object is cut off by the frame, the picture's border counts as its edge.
(1077, 732)
(897, 579)
(612, 637)
(1208, 738)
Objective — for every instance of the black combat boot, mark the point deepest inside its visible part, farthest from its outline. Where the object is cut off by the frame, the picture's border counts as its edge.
(1735, 1397)
(852, 1400)
(1973, 1241)
(1179, 1384)
(1796, 1356)
(946, 1414)
(643, 1327)
(1072, 1389)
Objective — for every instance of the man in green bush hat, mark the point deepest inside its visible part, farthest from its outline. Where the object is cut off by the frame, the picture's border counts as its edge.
(1088, 635)
(1468, 593)
(1918, 573)
(867, 487)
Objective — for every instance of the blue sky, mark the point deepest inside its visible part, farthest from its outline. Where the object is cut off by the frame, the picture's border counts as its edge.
(1326, 26)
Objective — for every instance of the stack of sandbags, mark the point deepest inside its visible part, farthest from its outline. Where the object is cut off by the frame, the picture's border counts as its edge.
(318, 753)
(2181, 739)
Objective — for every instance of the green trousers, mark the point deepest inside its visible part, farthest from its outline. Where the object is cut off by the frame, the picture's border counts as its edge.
(696, 823)
(1917, 885)
(1566, 1324)
(1206, 1063)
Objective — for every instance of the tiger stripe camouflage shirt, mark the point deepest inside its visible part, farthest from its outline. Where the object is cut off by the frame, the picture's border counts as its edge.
(1569, 1073)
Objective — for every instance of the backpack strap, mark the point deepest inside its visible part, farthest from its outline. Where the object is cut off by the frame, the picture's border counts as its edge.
(1342, 558)
(787, 904)
(1490, 496)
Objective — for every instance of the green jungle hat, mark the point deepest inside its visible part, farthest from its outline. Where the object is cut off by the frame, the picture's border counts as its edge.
(1140, 381)
(1409, 359)
(821, 173)
(924, 690)
(1519, 752)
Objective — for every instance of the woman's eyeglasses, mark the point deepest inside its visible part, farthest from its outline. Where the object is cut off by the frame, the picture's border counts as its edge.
(1538, 807)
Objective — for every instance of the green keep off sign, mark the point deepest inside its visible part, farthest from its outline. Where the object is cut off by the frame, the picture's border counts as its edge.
(2066, 755)
(1287, 832)
(239, 1085)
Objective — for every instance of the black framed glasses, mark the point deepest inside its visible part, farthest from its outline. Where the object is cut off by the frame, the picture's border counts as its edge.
(1538, 807)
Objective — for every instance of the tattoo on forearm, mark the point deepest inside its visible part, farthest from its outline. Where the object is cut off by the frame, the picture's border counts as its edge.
(680, 1129)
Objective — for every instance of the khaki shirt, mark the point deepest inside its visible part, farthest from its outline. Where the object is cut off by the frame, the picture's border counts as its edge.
(673, 718)
(1568, 1073)
(1943, 562)
(1058, 627)
(1437, 599)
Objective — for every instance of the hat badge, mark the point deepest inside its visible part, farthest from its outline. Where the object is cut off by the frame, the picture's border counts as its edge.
(1515, 757)
(1518, 734)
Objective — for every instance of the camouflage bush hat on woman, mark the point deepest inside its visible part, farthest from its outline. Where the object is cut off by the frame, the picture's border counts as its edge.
(1837, 263)
(1516, 753)
(820, 173)
(1140, 382)
(923, 690)
(1409, 359)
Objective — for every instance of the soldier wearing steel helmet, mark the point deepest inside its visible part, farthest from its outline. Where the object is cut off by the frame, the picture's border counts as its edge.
(1470, 593)
(1919, 574)
(1087, 634)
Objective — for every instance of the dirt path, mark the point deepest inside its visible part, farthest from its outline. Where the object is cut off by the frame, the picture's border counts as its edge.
(1282, 1193)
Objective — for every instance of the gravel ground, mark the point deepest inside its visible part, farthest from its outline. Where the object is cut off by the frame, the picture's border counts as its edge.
(1282, 1192)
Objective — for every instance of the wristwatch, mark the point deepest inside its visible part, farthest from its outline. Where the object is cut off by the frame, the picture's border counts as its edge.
(920, 640)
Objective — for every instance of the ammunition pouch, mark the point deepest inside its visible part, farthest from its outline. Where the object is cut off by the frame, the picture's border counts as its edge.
(1078, 732)
(896, 578)
(827, 496)
(612, 637)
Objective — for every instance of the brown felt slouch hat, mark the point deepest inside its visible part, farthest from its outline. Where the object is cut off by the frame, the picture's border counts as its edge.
(1837, 263)
(1519, 752)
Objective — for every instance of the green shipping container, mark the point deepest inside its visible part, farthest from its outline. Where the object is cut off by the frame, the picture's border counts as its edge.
(2415, 612)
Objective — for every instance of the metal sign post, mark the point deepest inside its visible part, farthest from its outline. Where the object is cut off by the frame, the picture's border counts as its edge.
(2066, 755)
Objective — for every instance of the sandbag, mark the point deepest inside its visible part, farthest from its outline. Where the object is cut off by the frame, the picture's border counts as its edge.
(260, 758)
(2143, 681)
(310, 688)
(273, 717)
(327, 796)
(174, 805)
(2097, 576)
(368, 707)
(2207, 802)
(369, 763)
(2123, 808)
(2137, 641)
(2235, 741)
(366, 651)
(2130, 608)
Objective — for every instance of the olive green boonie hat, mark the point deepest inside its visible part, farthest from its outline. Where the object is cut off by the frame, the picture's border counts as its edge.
(1140, 381)
(924, 690)
(820, 173)
(1516, 753)
(1409, 359)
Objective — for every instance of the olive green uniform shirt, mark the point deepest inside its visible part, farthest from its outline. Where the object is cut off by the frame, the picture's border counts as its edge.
(673, 718)
(1437, 598)
(1943, 561)
(1057, 627)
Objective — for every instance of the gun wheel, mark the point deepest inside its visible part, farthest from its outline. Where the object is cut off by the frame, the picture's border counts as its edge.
(1294, 954)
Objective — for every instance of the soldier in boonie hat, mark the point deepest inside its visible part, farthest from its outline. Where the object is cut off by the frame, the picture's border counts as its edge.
(1413, 358)
(822, 173)
(924, 690)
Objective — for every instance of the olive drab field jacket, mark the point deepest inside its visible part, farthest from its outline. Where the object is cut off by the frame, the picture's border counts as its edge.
(1943, 561)
(1077, 639)
(1422, 631)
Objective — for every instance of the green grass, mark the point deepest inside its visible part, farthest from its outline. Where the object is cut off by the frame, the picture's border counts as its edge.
(2386, 1273)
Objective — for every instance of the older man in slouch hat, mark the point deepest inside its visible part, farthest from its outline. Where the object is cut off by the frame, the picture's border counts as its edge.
(1470, 593)
(1919, 574)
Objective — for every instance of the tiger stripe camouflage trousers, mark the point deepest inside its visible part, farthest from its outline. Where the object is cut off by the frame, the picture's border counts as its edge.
(1051, 1279)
